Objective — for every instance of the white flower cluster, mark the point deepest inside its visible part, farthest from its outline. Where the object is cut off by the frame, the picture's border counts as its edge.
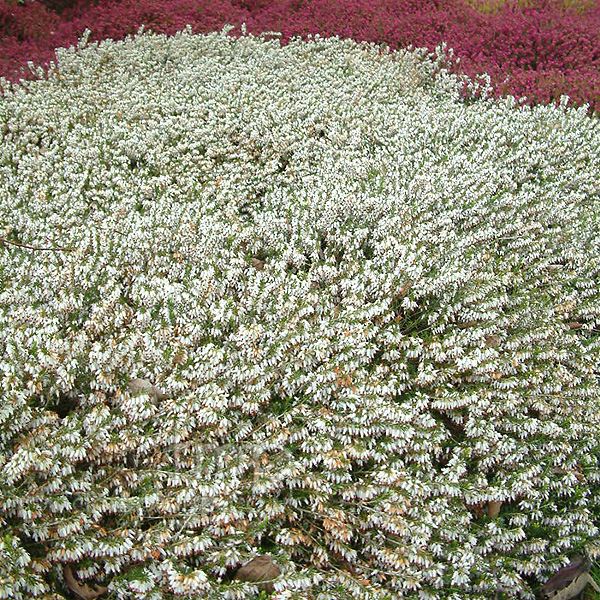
(368, 310)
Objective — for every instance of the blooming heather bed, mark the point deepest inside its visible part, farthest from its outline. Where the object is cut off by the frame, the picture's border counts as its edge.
(371, 308)
(535, 49)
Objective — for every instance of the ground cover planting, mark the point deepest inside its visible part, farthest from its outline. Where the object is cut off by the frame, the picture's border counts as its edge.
(539, 49)
(303, 303)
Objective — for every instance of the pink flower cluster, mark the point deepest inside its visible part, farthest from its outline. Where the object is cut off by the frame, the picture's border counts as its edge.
(541, 51)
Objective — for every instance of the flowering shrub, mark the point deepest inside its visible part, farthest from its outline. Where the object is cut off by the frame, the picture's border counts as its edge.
(541, 49)
(108, 19)
(368, 312)
(26, 23)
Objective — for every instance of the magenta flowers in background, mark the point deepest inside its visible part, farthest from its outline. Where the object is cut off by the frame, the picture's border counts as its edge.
(541, 51)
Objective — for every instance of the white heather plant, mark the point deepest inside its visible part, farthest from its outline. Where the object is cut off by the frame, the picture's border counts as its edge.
(370, 311)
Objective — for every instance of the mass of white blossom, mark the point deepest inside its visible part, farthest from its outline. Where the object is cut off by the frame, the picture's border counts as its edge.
(366, 314)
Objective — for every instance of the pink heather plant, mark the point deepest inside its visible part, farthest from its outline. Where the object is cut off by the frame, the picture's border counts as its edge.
(23, 31)
(541, 50)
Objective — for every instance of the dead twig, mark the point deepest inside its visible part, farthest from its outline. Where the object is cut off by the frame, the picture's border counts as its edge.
(55, 248)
